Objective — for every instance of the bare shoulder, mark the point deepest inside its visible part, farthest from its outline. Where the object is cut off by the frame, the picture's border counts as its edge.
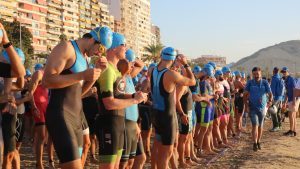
(172, 75)
(62, 50)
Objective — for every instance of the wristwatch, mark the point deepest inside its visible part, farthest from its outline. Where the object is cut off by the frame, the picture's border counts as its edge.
(186, 66)
(7, 45)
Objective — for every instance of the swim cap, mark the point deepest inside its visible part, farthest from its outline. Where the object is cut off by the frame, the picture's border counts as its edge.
(118, 40)
(145, 68)
(218, 73)
(196, 69)
(226, 69)
(130, 55)
(168, 53)
(208, 70)
(243, 74)
(214, 65)
(38, 66)
(19, 52)
(28, 73)
(237, 73)
(103, 35)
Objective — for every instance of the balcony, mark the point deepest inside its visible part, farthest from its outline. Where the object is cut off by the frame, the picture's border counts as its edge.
(54, 11)
(50, 4)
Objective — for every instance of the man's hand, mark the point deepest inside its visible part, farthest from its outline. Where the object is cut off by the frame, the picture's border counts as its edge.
(101, 63)
(4, 39)
(182, 59)
(140, 97)
(184, 119)
(92, 74)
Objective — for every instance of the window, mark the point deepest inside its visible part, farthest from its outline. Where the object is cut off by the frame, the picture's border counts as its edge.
(36, 32)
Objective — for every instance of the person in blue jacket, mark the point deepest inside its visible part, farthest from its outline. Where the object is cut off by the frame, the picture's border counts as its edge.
(278, 88)
(291, 102)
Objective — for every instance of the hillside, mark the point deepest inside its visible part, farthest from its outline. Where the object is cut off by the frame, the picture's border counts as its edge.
(283, 54)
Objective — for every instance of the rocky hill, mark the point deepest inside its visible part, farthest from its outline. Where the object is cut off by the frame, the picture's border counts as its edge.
(283, 54)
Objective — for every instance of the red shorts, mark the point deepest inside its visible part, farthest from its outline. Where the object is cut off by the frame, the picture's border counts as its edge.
(40, 120)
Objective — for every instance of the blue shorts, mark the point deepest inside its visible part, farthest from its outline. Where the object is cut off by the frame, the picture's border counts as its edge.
(257, 117)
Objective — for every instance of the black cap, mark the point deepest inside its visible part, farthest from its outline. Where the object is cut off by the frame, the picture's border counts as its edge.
(276, 69)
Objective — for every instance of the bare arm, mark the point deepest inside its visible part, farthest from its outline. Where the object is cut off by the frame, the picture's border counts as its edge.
(18, 69)
(19, 84)
(138, 66)
(86, 87)
(189, 80)
(57, 62)
(112, 103)
(179, 93)
(35, 80)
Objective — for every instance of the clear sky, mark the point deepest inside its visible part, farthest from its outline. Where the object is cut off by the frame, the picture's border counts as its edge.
(231, 28)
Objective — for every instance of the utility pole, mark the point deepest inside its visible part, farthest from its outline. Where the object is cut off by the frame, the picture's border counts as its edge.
(20, 31)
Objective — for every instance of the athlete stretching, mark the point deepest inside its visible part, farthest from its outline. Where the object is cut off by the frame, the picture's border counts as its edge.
(163, 83)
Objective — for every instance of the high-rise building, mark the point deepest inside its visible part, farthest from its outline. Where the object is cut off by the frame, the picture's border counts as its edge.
(70, 18)
(85, 19)
(49, 19)
(8, 10)
(95, 13)
(32, 14)
(54, 22)
(155, 35)
(135, 22)
(117, 26)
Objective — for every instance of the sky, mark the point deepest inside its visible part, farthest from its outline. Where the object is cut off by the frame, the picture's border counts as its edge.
(230, 28)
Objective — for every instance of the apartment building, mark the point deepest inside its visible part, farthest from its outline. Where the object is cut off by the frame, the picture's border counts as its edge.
(70, 18)
(134, 16)
(8, 10)
(32, 14)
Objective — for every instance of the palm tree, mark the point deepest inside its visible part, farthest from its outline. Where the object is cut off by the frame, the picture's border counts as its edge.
(154, 51)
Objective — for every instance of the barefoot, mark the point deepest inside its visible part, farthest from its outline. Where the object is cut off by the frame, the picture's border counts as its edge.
(216, 150)
(197, 160)
(183, 165)
(191, 163)
(210, 152)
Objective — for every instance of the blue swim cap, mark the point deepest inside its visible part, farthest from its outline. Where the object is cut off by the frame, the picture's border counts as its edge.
(28, 73)
(145, 68)
(38, 66)
(237, 73)
(243, 74)
(226, 69)
(118, 40)
(168, 53)
(209, 66)
(196, 69)
(152, 65)
(130, 55)
(208, 70)
(218, 73)
(139, 75)
(19, 52)
(214, 65)
(102, 35)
